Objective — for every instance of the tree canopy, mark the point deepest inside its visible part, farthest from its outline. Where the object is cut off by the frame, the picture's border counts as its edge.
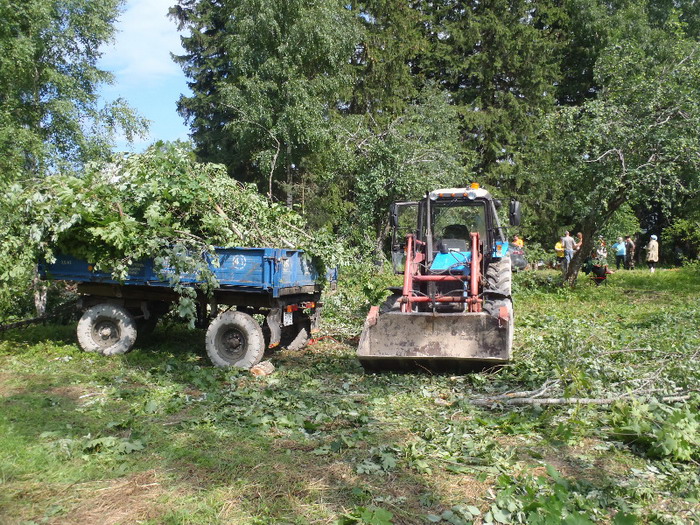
(636, 141)
(50, 118)
(526, 97)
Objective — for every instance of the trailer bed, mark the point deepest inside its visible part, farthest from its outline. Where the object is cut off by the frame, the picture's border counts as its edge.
(274, 271)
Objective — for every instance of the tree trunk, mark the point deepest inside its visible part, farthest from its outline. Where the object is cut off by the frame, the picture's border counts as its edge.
(590, 228)
(580, 255)
(379, 245)
(40, 294)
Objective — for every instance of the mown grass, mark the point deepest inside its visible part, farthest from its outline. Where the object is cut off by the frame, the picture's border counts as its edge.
(160, 436)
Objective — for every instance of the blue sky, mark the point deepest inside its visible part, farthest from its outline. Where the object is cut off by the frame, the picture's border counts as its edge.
(145, 75)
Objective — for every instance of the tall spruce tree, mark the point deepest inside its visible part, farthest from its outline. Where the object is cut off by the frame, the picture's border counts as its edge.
(384, 82)
(499, 61)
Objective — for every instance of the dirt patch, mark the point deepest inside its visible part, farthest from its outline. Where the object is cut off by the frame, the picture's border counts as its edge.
(6, 390)
(461, 488)
(124, 500)
(72, 392)
(10, 385)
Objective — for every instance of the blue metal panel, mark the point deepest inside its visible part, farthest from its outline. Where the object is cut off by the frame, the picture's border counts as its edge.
(252, 269)
(500, 249)
(454, 261)
(295, 269)
(246, 267)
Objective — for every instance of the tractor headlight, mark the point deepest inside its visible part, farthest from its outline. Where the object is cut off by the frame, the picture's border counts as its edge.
(471, 195)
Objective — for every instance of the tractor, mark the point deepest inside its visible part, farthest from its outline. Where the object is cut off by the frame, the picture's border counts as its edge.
(455, 310)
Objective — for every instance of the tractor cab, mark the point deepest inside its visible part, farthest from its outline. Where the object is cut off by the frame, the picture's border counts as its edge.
(442, 225)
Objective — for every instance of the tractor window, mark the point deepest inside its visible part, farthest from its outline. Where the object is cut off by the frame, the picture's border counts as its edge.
(458, 221)
(406, 221)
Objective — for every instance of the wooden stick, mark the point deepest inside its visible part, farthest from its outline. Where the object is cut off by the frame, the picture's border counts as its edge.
(569, 400)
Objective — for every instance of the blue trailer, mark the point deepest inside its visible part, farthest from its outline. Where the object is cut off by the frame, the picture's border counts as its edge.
(280, 284)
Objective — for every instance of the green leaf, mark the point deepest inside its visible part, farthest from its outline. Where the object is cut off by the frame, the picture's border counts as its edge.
(624, 519)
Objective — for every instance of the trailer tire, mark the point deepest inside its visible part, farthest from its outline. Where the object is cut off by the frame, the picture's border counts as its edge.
(107, 329)
(235, 339)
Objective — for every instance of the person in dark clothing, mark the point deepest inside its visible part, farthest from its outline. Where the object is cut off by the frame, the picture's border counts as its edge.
(629, 253)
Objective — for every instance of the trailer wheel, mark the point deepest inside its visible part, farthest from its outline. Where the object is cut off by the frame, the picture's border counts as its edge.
(235, 339)
(107, 329)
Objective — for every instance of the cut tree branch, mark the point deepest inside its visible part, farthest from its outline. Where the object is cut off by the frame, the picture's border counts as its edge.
(520, 401)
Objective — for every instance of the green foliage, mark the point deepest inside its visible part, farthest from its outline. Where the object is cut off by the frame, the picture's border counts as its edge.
(264, 79)
(346, 107)
(622, 223)
(360, 286)
(161, 205)
(416, 152)
(541, 500)
(49, 82)
(685, 234)
(660, 430)
(50, 117)
(498, 61)
(367, 516)
(594, 155)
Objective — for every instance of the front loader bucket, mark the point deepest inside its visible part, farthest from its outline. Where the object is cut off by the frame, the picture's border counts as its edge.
(434, 341)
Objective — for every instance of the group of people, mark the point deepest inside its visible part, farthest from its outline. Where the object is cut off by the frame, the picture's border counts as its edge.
(624, 250)
(566, 247)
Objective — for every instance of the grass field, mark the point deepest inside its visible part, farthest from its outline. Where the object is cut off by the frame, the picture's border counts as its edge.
(160, 436)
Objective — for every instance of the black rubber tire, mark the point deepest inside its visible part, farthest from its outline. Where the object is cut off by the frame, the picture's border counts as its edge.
(107, 329)
(499, 278)
(300, 340)
(235, 339)
(493, 308)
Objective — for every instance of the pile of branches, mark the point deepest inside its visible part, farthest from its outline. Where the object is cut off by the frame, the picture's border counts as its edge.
(160, 204)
